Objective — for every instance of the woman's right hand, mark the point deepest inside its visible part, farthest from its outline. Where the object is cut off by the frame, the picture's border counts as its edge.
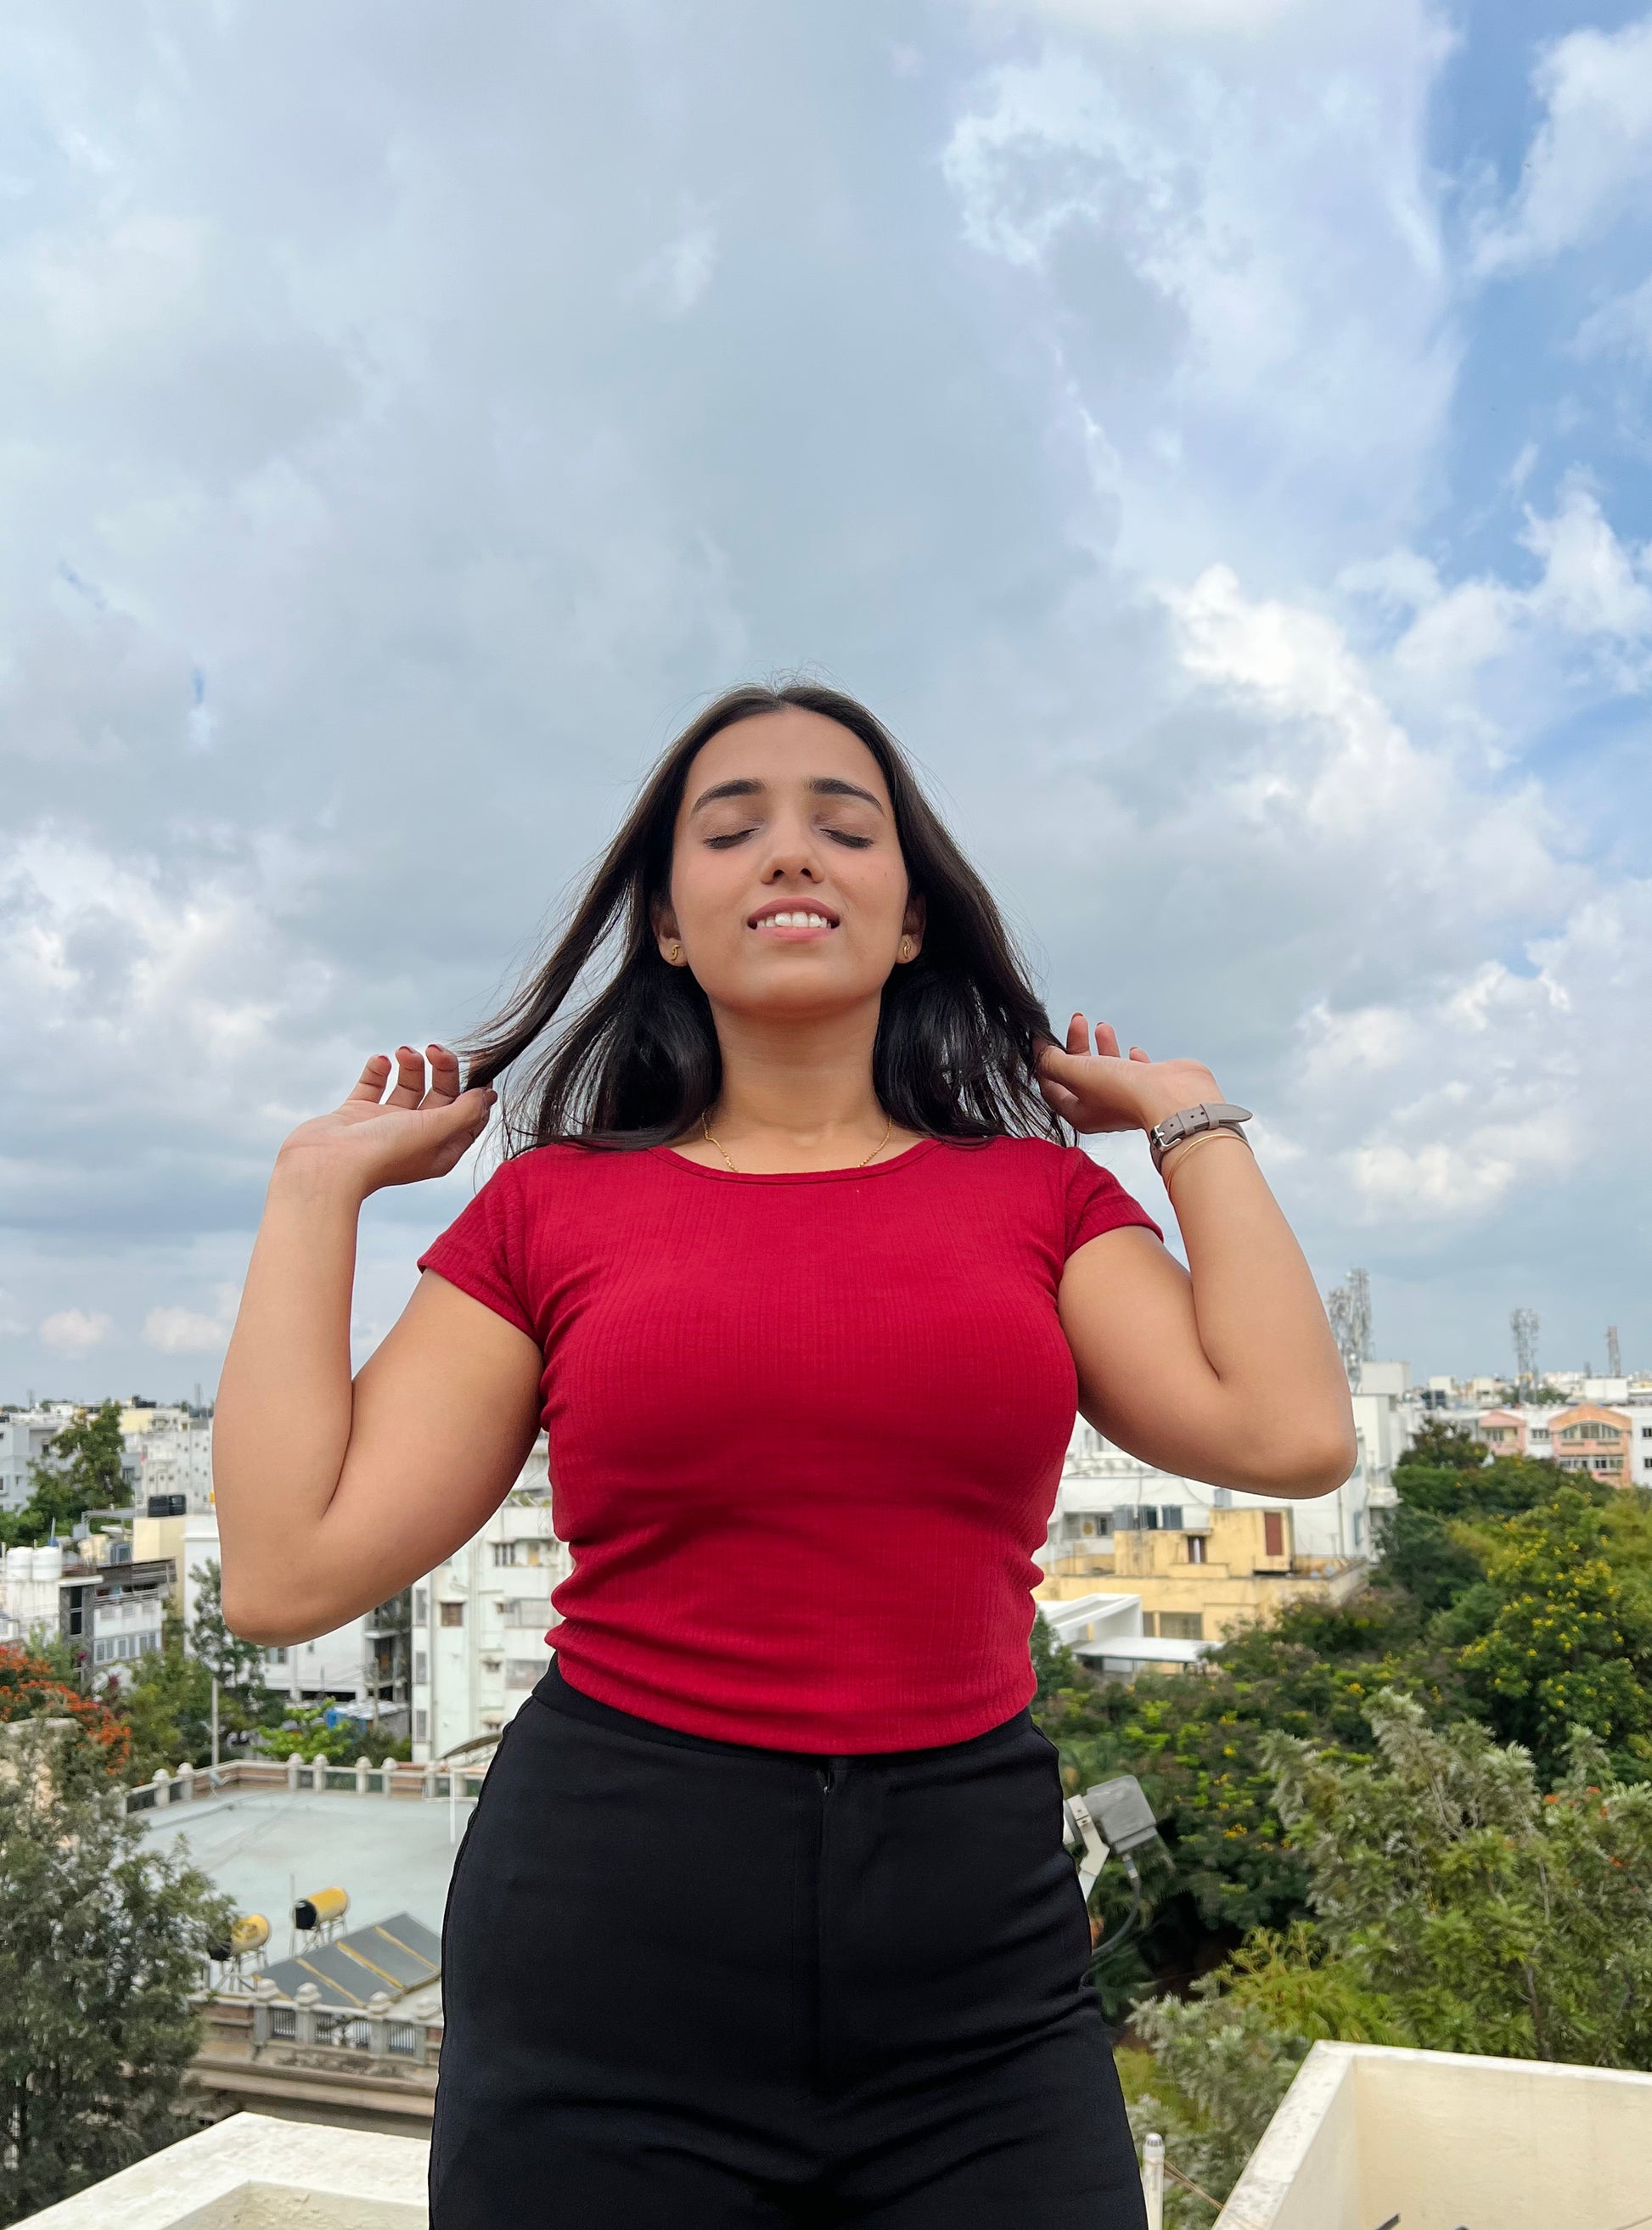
(412, 1132)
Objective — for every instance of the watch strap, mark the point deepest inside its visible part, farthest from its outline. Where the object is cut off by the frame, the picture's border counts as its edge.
(1189, 1122)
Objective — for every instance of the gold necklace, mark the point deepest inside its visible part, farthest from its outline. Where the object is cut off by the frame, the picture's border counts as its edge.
(712, 1139)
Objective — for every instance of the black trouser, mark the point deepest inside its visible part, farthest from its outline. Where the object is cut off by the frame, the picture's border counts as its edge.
(694, 1984)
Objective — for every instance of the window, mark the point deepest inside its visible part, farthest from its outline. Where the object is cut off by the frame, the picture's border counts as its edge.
(1196, 1548)
(504, 1552)
(453, 1614)
(1225, 1497)
(1170, 1517)
(275, 1657)
(1646, 1431)
(526, 1611)
(524, 1672)
(1147, 1623)
(1182, 1625)
(420, 1668)
(420, 1725)
(421, 1605)
(1273, 1532)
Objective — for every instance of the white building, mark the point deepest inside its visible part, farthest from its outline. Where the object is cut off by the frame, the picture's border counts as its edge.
(481, 1619)
(167, 1452)
(113, 1608)
(24, 1434)
(1102, 1490)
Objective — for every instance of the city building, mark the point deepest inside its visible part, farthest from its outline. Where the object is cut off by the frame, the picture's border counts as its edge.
(168, 1451)
(102, 1601)
(479, 1621)
(1102, 1486)
(1596, 1440)
(1192, 1583)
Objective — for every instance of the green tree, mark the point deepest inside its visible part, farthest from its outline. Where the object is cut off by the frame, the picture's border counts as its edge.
(168, 1707)
(1452, 1447)
(1570, 1645)
(246, 1704)
(1054, 1667)
(101, 1942)
(1455, 1907)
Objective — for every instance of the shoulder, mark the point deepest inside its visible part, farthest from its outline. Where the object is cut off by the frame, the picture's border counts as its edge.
(1082, 1198)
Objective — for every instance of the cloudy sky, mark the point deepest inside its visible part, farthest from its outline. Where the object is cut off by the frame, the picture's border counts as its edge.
(1213, 433)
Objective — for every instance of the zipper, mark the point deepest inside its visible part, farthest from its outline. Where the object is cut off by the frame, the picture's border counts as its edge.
(829, 1773)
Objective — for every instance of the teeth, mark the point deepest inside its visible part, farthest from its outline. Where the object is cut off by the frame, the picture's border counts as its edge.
(795, 920)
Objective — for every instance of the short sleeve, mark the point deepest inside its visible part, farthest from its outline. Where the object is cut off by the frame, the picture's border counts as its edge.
(1096, 1202)
(481, 1251)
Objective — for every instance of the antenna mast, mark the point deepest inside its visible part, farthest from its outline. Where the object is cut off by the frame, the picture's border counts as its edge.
(1523, 1323)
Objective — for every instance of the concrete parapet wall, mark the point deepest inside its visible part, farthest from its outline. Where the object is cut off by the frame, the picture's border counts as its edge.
(1440, 2138)
(254, 2173)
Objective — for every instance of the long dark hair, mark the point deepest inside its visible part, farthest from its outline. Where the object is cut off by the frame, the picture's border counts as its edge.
(638, 1063)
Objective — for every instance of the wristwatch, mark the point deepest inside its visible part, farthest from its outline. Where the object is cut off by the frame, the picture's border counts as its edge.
(1188, 1122)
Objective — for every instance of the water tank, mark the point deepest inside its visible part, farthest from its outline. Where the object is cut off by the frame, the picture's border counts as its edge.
(320, 1907)
(20, 1564)
(249, 1931)
(48, 1564)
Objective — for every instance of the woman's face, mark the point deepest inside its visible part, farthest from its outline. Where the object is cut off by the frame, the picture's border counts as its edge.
(789, 893)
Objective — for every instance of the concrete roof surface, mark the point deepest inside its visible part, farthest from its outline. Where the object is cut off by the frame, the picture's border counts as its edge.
(263, 1846)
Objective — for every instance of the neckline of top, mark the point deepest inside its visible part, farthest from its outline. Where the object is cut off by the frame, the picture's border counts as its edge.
(900, 1161)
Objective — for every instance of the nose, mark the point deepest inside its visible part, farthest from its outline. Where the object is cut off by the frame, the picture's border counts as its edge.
(793, 853)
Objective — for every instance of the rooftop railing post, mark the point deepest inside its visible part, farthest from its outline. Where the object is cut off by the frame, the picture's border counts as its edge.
(378, 2008)
(184, 1792)
(294, 1766)
(306, 1998)
(361, 1777)
(162, 1782)
(264, 1997)
(1152, 2181)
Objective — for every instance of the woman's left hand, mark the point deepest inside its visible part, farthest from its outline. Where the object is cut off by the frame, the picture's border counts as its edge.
(1102, 1090)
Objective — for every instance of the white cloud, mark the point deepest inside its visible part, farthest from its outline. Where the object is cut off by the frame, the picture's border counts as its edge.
(187, 1331)
(75, 1331)
(1486, 1078)
(1239, 251)
(1590, 161)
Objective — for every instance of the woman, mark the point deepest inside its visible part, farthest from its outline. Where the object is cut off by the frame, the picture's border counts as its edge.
(763, 1915)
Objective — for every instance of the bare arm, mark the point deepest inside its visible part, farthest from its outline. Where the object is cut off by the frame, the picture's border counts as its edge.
(331, 1495)
(1227, 1370)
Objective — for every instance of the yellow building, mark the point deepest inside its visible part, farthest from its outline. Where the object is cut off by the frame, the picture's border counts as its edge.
(1202, 1582)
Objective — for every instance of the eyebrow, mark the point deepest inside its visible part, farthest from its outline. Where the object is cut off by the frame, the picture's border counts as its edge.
(822, 785)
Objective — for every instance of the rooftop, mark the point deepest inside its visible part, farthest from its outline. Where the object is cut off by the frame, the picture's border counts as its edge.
(265, 1847)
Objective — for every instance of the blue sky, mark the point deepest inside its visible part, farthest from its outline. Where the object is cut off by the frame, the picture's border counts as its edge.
(1215, 433)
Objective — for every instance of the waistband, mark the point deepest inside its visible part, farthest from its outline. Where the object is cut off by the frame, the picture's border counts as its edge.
(557, 1693)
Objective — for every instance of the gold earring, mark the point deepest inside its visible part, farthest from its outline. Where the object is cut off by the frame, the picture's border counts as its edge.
(676, 954)
(905, 948)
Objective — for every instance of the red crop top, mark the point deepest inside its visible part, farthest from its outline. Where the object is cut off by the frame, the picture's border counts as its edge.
(805, 1430)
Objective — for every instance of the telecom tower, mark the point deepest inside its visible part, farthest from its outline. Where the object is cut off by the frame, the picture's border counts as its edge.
(1614, 1353)
(1523, 1323)
(1349, 1309)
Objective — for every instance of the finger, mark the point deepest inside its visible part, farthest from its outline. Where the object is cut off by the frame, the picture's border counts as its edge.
(407, 1086)
(1136, 1054)
(444, 1077)
(1078, 1036)
(1058, 1096)
(371, 1085)
(1052, 1062)
(1107, 1040)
